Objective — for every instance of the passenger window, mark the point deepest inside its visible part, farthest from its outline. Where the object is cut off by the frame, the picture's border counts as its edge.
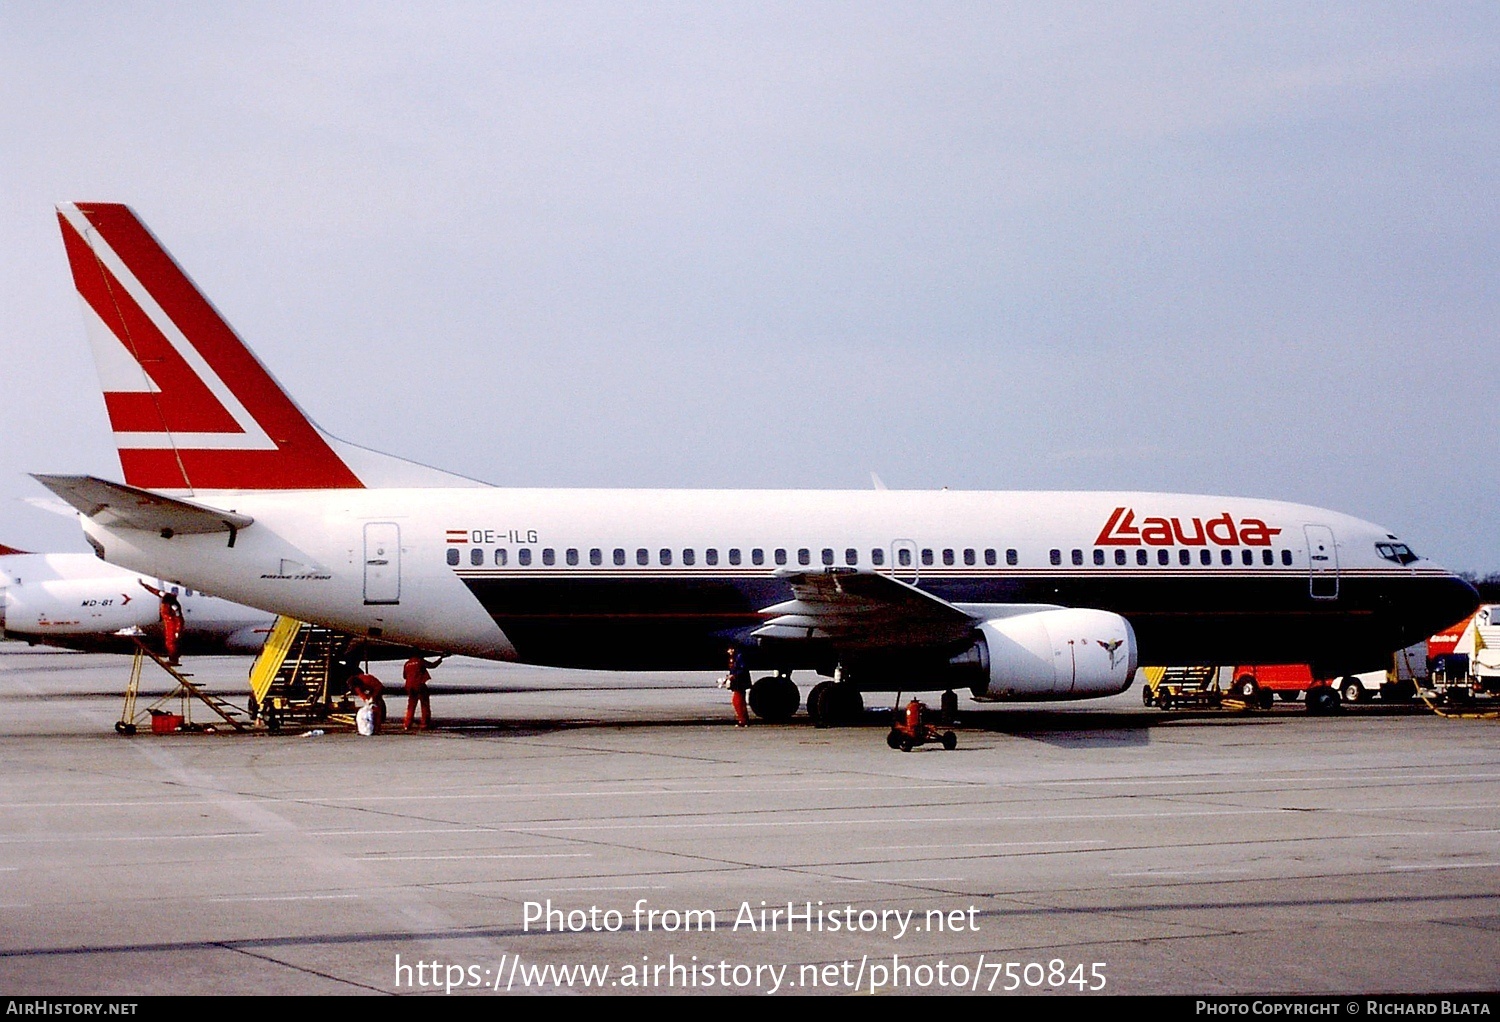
(851, 556)
(664, 556)
(1099, 558)
(990, 557)
(711, 556)
(1286, 558)
(804, 556)
(501, 556)
(1056, 556)
(1163, 557)
(523, 556)
(642, 556)
(548, 557)
(596, 557)
(1247, 556)
(828, 555)
(1266, 557)
(903, 556)
(969, 557)
(571, 557)
(877, 557)
(1120, 557)
(757, 556)
(1226, 557)
(1184, 557)
(476, 557)
(1141, 558)
(734, 555)
(927, 557)
(948, 557)
(1206, 556)
(619, 555)
(1077, 557)
(1011, 558)
(453, 555)
(688, 557)
(779, 556)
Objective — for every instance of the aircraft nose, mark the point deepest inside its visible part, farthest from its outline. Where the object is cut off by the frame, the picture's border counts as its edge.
(1455, 600)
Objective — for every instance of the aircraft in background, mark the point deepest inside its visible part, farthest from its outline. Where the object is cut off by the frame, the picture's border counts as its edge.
(78, 602)
(1031, 596)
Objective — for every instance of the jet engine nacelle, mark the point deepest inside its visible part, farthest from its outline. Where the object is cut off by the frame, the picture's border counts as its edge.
(1051, 654)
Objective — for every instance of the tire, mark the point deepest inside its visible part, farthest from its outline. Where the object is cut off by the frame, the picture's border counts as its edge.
(774, 698)
(1352, 691)
(1324, 701)
(905, 744)
(950, 740)
(1246, 688)
(1147, 696)
(842, 704)
(122, 728)
(816, 711)
(893, 739)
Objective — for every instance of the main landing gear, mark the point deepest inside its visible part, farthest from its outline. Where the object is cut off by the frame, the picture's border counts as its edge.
(775, 698)
(831, 703)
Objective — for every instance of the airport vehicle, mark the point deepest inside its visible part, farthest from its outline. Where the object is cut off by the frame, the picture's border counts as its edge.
(1465, 659)
(1035, 596)
(77, 601)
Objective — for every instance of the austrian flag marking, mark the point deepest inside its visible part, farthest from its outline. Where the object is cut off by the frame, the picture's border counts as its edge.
(1122, 530)
(458, 535)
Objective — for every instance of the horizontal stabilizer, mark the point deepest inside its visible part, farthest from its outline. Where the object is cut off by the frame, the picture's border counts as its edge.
(116, 505)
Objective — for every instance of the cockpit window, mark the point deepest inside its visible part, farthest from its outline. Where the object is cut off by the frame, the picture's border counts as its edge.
(1398, 552)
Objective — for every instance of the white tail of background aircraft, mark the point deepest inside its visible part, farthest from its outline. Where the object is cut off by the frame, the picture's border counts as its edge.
(230, 488)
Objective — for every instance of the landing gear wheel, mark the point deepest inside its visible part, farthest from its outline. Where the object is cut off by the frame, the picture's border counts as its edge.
(774, 698)
(1323, 700)
(842, 704)
(950, 740)
(1352, 691)
(816, 711)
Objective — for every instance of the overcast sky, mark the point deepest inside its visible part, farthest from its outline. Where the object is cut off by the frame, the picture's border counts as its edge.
(1218, 248)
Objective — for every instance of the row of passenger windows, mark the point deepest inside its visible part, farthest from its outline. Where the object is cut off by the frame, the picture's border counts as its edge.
(827, 556)
(1247, 557)
(734, 556)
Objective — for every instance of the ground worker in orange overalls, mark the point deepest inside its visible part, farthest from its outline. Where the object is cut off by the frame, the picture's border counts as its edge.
(416, 678)
(739, 683)
(170, 611)
(368, 687)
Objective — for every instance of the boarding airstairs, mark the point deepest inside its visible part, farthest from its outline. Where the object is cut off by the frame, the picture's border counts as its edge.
(294, 680)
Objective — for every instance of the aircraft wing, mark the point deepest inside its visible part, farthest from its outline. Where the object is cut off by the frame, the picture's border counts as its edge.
(115, 505)
(858, 610)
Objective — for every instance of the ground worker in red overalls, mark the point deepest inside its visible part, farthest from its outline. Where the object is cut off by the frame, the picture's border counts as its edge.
(416, 678)
(739, 683)
(170, 611)
(368, 687)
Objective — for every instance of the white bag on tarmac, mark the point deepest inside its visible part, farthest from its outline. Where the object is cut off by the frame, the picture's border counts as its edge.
(364, 720)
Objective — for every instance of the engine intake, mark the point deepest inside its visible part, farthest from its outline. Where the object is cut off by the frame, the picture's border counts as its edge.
(1050, 654)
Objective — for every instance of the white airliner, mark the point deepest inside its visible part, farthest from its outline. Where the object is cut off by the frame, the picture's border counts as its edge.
(229, 487)
(77, 602)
